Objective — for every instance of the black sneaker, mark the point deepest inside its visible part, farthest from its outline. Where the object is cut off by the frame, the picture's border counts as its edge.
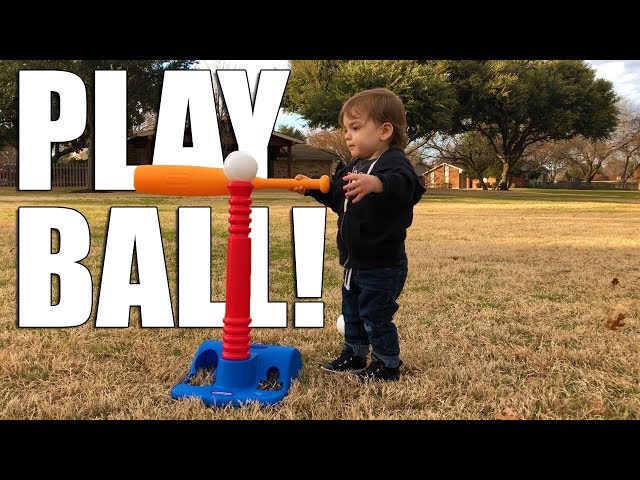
(377, 370)
(348, 361)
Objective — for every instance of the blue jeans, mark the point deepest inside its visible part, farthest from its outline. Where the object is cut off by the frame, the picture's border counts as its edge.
(368, 308)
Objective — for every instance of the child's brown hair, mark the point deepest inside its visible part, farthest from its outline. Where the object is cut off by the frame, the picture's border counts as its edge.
(382, 106)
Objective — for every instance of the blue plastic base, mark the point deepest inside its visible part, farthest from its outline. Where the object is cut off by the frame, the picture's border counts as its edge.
(241, 381)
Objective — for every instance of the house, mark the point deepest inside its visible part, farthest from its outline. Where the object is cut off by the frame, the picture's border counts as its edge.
(140, 146)
(310, 161)
(529, 176)
(446, 175)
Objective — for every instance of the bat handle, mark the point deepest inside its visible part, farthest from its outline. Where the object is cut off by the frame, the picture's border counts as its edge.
(323, 183)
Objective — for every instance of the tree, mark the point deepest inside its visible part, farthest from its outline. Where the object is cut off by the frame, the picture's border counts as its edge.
(150, 122)
(317, 89)
(471, 150)
(613, 167)
(227, 135)
(418, 151)
(631, 159)
(515, 104)
(9, 98)
(332, 141)
(629, 152)
(291, 132)
(144, 85)
(9, 105)
(588, 155)
(550, 155)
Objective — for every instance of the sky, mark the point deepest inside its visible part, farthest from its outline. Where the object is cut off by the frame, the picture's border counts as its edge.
(625, 75)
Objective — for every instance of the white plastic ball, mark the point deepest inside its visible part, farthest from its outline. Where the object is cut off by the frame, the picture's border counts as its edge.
(340, 324)
(240, 166)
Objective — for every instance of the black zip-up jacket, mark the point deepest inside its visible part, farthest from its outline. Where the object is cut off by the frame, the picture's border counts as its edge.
(371, 232)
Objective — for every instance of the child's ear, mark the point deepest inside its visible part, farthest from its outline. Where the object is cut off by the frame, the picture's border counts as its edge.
(386, 131)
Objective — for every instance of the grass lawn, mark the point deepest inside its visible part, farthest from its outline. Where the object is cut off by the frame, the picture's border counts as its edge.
(503, 315)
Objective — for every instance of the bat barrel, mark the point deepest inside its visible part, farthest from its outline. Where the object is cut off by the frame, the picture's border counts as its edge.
(180, 180)
(186, 180)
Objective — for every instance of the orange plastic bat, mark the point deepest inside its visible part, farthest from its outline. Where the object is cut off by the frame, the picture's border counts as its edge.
(207, 181)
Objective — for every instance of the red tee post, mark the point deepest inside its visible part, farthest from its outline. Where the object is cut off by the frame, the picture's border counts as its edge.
(236, 334)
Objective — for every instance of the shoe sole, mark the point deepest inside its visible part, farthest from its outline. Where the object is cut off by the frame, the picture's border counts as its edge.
(344, 372)
(374, 379)
(360, 378)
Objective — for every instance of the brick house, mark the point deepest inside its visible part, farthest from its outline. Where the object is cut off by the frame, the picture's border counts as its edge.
(446, 175)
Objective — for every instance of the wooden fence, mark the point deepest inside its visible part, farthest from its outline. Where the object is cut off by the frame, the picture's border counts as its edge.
(595, 185)
(62, 175)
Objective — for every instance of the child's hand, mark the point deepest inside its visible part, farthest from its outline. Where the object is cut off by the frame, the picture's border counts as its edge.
(301, 190)
(360, 184)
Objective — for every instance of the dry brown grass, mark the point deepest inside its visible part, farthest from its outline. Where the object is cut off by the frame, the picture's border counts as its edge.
(503, 316)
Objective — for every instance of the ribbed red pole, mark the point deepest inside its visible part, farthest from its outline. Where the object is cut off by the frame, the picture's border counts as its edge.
(236, 334)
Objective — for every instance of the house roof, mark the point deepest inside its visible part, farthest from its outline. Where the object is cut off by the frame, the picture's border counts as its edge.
(302, 151)
(287, 137)
(442, 164)
(142, 133)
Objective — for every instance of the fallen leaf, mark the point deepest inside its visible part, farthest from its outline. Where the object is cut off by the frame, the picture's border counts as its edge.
(614, 320)
(507, 414)
(615, 282)
(596, 405)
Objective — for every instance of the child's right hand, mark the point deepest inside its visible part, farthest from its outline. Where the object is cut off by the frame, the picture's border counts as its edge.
(301, 190)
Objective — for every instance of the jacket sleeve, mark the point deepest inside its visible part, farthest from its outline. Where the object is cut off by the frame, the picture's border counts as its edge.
(331, 198)
(324, 198)
(401, 185)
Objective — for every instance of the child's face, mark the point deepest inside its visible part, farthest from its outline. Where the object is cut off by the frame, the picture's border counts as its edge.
(366, 139)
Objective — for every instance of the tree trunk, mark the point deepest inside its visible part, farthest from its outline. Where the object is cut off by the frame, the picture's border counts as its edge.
(504, 179)
(625, 176)
(481, 181)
